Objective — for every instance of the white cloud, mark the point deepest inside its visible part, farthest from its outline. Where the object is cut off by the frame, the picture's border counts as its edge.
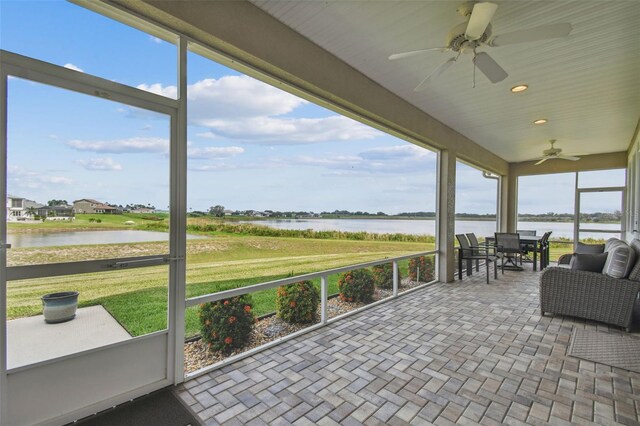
(100, 164)
(279, 131)
(52, 136)
(122, 146)
(169, 91)
(73, 67)
(214, 152)
(400, 159)
(242, 108)
(155, 39)
(214, 167)
(21, 178)
(238, 96)
(407, 151)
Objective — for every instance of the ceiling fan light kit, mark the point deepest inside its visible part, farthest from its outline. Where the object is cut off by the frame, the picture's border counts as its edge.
(554, 153)
(519, 88)
(476, 33)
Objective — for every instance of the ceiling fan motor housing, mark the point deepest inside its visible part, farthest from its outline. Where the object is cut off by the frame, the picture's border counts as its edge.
(458, 42)
(466, 8)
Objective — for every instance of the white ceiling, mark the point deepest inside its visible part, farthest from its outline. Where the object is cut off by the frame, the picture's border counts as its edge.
(587, 85)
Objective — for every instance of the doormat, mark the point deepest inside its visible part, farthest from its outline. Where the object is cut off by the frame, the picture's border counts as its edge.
(616, 350)
(161, 408)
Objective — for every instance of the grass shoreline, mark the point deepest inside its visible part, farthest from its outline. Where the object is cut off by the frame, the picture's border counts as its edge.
(137, 298)
(236, 255)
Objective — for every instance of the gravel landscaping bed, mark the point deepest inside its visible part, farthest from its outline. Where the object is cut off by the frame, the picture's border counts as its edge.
(270, 328)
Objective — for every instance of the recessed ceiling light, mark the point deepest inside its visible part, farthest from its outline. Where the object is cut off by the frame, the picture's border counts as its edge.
(519, 88)
(540, 121)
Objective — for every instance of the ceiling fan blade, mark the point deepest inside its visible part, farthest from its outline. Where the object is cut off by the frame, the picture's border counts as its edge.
(415, 52)
(541, 161)
(489, 67)
(434, 74)
(479, 20)
(544, 32)
(569, 157)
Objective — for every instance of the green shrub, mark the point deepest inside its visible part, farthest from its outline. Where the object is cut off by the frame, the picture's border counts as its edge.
(297, 302)
(356, 286)
(226, 324)
(383, 275)
(424, 265)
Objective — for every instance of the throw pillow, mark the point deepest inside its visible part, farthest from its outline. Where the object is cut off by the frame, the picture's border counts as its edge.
(592, 262)
(589, 248)
(634, 275)
(620, 260)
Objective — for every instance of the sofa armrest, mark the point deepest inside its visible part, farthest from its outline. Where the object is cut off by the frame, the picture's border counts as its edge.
(590, 295)
(565, 259)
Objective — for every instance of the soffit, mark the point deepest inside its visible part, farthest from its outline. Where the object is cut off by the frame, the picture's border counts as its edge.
(587, 85)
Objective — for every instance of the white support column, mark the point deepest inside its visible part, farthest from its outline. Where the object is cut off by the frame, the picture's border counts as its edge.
(510, 194)
(178, 220)
(446, 215)
(503, 203)
(3, 251)
(324, 295)
(395, 278)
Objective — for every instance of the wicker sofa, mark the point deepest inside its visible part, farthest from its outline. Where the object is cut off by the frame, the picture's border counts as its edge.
(592, 295)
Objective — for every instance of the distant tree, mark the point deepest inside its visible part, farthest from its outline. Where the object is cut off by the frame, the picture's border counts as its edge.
(52, 203)
(217, 210)
(31, 211)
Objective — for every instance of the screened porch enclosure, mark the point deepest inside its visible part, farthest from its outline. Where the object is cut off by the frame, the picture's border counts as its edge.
(195, 136)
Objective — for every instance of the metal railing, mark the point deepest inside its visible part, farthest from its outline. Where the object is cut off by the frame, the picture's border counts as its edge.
(324, 297)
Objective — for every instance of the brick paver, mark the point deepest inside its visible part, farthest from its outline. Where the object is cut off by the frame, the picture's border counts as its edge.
(464, 352)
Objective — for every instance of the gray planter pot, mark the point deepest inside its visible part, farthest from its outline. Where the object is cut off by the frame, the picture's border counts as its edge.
(59, 307)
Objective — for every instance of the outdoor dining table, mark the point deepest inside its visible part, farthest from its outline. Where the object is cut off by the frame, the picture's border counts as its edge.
(532, 240)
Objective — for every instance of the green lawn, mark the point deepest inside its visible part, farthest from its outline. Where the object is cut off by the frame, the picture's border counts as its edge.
(90, 222)
(137, 298)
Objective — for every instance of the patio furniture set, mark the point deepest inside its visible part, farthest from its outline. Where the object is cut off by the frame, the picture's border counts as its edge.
(509, 248)
(599, 282)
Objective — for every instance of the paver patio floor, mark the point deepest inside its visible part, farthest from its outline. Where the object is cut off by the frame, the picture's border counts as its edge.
(464, 352)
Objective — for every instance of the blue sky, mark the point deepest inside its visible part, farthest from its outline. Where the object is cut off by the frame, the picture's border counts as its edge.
(251, 146)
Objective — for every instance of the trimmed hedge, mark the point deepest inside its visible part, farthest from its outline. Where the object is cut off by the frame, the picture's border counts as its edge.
(356, 286)
(383, 275)
(297, 303)
(424, 265)
(226, 325)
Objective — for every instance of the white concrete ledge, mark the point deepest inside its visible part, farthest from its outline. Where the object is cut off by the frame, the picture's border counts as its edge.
(31, 340)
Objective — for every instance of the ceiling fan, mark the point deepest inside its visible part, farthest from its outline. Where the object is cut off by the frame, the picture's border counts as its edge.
(476, 32)
(554, 154)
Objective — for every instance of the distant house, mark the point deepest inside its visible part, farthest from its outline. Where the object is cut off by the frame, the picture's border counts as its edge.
(20, 208)
(89, 206)
(56, 212)
(142, 210)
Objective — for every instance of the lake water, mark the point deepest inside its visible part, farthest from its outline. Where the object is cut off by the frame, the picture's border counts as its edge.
(380, 226)
(48, 239)
(427, 227)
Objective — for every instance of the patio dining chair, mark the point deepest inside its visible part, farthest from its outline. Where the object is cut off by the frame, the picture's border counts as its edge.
(545, 250)
(527, 247)
(508, 245)
(476, 252)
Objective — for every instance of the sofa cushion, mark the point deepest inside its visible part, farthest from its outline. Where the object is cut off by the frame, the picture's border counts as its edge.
(620, 260)
(592, 262)
(589, 248)
(610, 242)
(634, 275)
